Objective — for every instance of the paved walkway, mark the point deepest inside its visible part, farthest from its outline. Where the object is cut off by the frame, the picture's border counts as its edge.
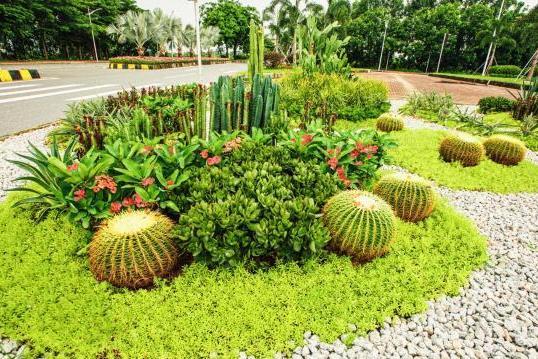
(402, 84)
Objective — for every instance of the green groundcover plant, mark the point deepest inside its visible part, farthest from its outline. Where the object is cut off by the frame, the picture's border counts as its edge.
(418, 152)
(51, 301)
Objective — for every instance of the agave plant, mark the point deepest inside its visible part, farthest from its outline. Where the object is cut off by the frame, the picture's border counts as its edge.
(527, 102)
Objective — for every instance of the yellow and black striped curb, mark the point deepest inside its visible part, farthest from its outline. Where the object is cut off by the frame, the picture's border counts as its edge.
(18, 75)
(120, 66)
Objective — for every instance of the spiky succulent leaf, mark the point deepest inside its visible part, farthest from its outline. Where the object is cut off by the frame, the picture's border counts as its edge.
(411, 197)
(361, 224)
(132, 248)
(505, 150)
(463, 148)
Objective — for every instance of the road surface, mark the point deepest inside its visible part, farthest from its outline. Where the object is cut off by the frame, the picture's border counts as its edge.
(28, 104)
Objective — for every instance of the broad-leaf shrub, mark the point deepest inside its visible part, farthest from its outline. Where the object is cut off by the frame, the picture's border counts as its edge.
(351, 156)
(261, 204)
(331, 97)
(495, 104)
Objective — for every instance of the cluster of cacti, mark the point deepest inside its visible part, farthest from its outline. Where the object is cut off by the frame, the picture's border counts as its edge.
(193, 121)
(256, 50)
(361, 224)
(232, 107)
(412, 198)
(389, 122)
(462, 148)
(133, 248)
(505, 150)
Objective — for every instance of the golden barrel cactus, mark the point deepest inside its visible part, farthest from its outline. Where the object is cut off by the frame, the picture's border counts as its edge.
(411, 197)
(505, 150)
(361, 224)
(463, 148)
(389, 122)
(132, 248)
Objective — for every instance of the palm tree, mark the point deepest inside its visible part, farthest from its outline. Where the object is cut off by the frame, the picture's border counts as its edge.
(133, 27)
(162, 28)
(190, 38)
(293, 11)
(209, 37)
(177, 35)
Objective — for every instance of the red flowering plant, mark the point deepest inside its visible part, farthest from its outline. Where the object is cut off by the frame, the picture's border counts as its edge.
(353, 157)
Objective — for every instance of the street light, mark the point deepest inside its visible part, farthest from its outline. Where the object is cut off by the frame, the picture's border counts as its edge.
(93, 36)
(383, 45)
(197, 27)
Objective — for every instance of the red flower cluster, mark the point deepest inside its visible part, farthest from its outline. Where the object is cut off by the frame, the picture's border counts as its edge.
(146, 182)
(204, 154)
(342, 176)
(104, 182)
(135, 200)
(79, 195)
(332, 162)
(115, 207)
(306, 139)
(147, 150)
(232, 145)
(366, 149)
(213, 160)
(168, 184)
(72, 167)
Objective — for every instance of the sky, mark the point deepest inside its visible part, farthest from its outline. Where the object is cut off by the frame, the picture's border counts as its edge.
(184, 8)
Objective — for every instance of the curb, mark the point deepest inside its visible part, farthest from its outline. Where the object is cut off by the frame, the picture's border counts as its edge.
(480, 81)
(127, 66)
(18, 75)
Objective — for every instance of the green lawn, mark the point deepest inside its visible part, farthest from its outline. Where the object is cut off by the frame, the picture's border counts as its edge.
(51, 301)
(510, 80)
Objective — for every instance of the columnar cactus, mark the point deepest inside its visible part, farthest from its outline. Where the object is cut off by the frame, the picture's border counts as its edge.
(505, 150)
(463, 148)
(361, 224)
(256, 51)
(411, 197)
(389, 122)
(133, 248)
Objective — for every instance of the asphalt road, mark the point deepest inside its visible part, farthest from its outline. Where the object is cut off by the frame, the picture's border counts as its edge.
(28, 104)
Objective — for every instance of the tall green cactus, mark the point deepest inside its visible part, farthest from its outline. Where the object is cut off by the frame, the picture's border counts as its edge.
(255, 62)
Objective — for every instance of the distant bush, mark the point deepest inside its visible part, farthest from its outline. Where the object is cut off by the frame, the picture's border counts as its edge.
(495, 104)
(331, 97)
(505, 70)
(273, 59)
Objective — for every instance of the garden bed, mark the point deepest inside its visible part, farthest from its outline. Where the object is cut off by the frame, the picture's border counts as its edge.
(486, 80)
(155, 63)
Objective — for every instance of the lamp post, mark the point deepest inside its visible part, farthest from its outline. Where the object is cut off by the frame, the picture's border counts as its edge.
(197, 27)
(383, 45)
(441, 53)
(93, 36)
(486, 64)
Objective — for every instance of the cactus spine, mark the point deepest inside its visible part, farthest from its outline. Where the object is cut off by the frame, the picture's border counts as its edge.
(256, 41)
(361, 224)
(505, 150)
(462, 148)
(411, 197)
(133, 248)
(389, 122)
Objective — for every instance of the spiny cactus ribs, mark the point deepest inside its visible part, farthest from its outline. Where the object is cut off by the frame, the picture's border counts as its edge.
(389, 122)
(462, 148)
(412, 198)
(361, 224)
(505, 150)
(133, 248)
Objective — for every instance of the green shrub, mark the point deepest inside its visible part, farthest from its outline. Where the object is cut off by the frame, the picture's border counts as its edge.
(361, 224)
(505, 150)
(505, 70)
(329, 97)
(133, 248)
(411, 197)
(495, 104)
(463, 148)
(434, 102)
(260, 205)
(274, 59)
(389, 123)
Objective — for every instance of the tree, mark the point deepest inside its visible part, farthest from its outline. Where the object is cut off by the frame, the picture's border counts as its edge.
(209, 37)
(232, 19)
(134, 27)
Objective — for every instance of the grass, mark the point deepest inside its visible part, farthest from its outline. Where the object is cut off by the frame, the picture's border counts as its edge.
(510, 80)
(51, 301)
(418, 152)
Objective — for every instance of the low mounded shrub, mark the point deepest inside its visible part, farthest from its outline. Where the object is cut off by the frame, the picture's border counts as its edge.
(361, 224)
(463, 148)
(329, 97)
(260, 205)
(505, 70)
(273, 60)
(495, 104)
(412, 197)
(132, 248)
(389, 122)
(505, 150)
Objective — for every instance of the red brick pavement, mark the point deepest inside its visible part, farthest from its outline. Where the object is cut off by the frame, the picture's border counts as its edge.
(402, 84)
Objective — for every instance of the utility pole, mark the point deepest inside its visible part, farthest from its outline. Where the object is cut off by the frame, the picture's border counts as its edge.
(93, 36)
(383, 45)
(198, 45)
(486, 64)
(441, 53)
